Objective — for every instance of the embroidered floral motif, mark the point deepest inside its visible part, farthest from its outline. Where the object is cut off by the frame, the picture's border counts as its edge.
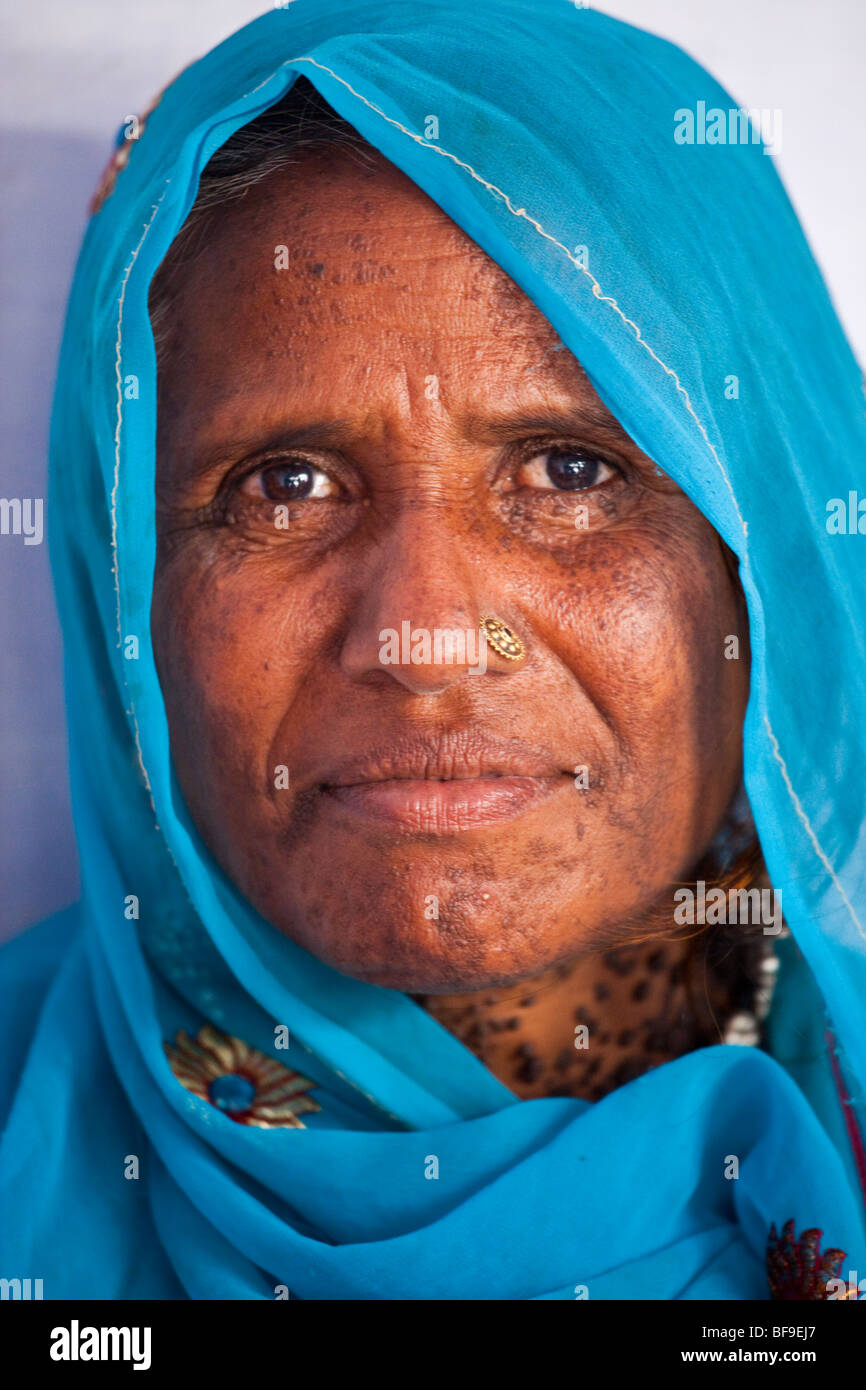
(797, 1270)
(243, 1083)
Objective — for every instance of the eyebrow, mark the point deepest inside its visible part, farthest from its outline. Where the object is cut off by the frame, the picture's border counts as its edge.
(330, 432)
(503, 425)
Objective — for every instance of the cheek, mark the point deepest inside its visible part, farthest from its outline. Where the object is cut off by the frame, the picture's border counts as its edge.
(642, 625)
(233, 645)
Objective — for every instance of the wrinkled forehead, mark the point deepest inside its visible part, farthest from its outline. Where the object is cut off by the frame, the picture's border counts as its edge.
(339, 244)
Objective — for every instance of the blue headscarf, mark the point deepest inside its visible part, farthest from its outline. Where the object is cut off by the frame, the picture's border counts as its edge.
(668, 270)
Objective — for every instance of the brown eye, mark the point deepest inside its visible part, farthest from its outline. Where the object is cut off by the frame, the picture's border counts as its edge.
(295, 480)
(565, 469)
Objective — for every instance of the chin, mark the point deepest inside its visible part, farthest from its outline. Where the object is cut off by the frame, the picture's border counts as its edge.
(450, 956)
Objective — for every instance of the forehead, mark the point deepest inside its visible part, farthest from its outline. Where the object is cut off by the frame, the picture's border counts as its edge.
(326, 248)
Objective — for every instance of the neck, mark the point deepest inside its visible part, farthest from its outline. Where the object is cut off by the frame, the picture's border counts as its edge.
(585, 1028)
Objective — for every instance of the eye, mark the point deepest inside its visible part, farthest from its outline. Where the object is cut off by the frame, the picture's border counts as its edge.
(565, 468)
(290, 480)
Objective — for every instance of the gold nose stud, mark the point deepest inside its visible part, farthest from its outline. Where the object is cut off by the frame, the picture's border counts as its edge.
(503, 639)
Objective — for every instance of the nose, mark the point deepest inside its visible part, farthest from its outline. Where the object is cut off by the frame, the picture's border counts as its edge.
(419, 619)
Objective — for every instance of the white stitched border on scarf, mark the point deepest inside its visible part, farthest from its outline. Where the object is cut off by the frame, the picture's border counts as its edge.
(118, 358)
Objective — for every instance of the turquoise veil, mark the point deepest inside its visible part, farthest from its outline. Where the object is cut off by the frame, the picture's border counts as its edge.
(669, 270)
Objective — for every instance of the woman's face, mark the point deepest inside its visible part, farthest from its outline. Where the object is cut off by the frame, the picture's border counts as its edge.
(380, 429)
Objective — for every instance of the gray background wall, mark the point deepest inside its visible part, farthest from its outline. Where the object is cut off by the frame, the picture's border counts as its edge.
(73, 70)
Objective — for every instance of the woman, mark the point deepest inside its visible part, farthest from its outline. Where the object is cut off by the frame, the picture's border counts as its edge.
(441, 459)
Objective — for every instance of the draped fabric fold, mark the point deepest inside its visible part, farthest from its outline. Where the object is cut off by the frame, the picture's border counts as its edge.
(666, 269)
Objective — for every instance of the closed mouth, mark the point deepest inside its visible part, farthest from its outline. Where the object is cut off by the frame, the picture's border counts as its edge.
(443, 784)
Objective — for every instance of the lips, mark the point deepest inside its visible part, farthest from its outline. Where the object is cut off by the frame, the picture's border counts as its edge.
(441, 784)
